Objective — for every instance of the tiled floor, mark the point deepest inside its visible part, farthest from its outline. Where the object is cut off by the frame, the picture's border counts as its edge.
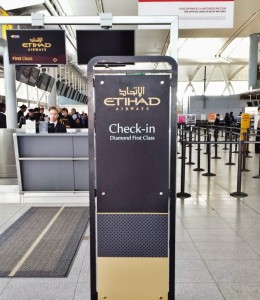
(217, 239)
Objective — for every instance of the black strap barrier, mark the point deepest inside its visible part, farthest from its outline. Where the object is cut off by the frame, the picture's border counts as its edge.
(238, 193)
(183, 194)
(209, 152)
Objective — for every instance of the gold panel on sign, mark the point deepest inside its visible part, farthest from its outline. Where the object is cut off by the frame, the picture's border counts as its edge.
(131, 278)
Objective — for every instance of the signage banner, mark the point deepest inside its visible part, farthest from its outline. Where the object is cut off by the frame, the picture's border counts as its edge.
(181, 119)
(245, 124)
(132, 185)
(192, 14)
(133, 129)
(191, 119)
(31, 47)
(211, 117)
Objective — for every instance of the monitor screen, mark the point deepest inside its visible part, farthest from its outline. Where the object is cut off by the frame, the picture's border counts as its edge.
(33, 76)
(91, 43)
(23, 73)
(50, 84)
(255, 103)
(43, 81)
(249, 103)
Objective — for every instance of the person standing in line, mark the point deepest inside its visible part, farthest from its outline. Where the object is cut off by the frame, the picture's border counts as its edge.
(2, 116)
(257, 130)
(20, 114)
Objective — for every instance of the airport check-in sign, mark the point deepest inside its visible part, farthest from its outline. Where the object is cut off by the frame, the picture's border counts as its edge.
(132, 168)
(132, 123)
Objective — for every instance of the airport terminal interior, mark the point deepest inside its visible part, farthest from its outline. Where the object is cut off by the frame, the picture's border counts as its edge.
(45, 183)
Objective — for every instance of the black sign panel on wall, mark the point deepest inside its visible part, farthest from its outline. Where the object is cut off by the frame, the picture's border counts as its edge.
(30, 47)
(132, 125)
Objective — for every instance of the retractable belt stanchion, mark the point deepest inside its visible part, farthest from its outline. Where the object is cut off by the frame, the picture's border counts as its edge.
(226, 138)
(238, 193)
(258, 176)
(198, 154)
(215, 145)
(236, 138)
(206, 137)
(230, 163)
(244, 169)
(182, 193)
(209, 153)
(190, 148)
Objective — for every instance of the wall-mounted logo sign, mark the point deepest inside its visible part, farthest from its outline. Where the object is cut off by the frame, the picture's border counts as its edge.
(36, 47)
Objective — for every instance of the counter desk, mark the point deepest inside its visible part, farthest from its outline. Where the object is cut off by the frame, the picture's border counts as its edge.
(52, 162)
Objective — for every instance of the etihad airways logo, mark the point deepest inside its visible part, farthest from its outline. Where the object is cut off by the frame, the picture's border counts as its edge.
(133, 99)
(36, 44)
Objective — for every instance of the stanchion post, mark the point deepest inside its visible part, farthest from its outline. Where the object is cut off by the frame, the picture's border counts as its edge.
(190, 148)
(216, 145)
(238, 193)
(244, 169)
(226, 136)
(209, 152)
(198, 155)
(182, 194)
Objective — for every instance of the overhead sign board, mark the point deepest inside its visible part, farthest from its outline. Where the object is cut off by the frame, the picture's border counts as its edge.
(192, 14)
(30, 47)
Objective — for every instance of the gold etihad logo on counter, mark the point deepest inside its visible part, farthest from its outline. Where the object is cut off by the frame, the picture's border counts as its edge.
(132, 99)
(36, 44)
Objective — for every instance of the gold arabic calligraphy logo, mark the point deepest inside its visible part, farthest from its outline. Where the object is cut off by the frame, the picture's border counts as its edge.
(132, 99)
(36, 44)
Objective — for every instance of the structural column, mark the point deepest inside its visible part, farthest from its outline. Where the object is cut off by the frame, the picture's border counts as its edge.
(10, 91)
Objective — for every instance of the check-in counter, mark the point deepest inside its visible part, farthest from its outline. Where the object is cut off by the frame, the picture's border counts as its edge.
(7, 156)
(52, 162)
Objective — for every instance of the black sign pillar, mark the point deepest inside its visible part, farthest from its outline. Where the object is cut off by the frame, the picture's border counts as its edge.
(132, 134)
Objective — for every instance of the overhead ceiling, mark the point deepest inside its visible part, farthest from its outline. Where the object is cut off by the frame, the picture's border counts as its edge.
(224, 52)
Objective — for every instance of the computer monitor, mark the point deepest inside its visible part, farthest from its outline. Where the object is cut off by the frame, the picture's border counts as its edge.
(255, 103)
(43, 81)
(91, 43)
(249, 103)
(23, 73)
(50, 84)
(33, 76)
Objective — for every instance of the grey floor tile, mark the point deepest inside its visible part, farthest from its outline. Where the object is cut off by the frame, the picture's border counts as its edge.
(50, 291)
(181, 236)
(225, 250)
(196, 213)
(3, 284)
(243, 222)
(186, 251)
(82, 292)
(249, 234)
(214, 235)
(197, 291)
(240, 291)
(202, 223)
(234, 271)
(192, 271)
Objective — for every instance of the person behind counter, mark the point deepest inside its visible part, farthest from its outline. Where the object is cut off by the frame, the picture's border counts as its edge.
(20, 113)
(55, 126)
(2, 116)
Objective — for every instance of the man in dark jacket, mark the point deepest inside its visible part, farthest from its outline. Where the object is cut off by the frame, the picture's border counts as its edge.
(21, 112)
(54, 125)
(2, 116)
